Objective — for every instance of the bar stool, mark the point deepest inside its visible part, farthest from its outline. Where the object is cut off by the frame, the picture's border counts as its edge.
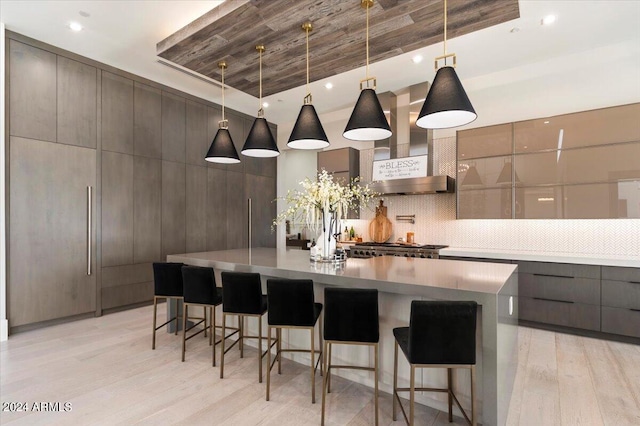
(291, 305)
(350, 318)
(440, 335)
(242, 296)
(199, 289)
(167, 282)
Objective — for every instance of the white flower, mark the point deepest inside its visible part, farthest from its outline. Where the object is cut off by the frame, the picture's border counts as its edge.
(324, 195)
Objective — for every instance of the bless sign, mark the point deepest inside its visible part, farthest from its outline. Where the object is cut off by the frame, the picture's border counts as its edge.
(400, 168)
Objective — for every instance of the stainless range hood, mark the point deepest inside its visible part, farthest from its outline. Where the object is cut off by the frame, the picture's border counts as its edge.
(403, 107)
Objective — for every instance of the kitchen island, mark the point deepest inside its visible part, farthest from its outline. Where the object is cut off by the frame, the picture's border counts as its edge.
(400, 280)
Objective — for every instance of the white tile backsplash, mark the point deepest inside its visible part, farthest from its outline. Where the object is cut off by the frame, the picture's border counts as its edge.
(436, 221)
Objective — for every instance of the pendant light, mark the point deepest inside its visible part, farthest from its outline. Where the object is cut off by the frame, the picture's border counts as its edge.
(447, 104)
(308, 132)
(260, 142)
(367, 122)
(222, 149)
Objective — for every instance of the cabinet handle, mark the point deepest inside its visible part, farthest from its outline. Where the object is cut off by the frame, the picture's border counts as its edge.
(634, 310)
(89, 236)
(634, 282)
(552, 300)
(554, 276)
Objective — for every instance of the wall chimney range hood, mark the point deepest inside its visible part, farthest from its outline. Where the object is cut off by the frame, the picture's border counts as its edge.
(402, 108)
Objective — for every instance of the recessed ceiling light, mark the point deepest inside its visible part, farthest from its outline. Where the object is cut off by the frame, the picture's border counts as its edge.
(417, 59)
(548, 20)
(546, 122)
(75, 26)
(328, 86)
(265, 105)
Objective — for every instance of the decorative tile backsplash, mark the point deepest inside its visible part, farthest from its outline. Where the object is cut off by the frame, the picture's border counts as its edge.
(436, 221)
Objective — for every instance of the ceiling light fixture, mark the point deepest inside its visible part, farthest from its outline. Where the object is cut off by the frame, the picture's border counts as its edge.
(308, 133)
(75, 26)
(367, 122)
(548, 20)
(260, 142)
(222, 149)
(447, 104)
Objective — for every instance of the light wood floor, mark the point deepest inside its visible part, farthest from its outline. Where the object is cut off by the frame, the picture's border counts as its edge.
(106, 369)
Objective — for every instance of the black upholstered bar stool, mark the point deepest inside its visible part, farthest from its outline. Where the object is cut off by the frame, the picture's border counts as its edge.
(167, 282)
(200, 290)
(292, 305)
(242, 296)
(440, 335)
(350, 318)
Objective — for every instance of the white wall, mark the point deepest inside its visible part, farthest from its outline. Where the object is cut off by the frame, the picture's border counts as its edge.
(4, 324)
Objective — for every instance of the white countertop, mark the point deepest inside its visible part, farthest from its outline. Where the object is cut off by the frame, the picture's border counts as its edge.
(577, 258)
(387, 273)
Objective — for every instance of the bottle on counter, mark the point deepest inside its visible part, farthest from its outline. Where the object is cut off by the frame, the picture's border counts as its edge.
(345, 234)
(352, 233)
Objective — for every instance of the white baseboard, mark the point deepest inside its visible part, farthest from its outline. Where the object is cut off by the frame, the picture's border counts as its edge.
(4, 330)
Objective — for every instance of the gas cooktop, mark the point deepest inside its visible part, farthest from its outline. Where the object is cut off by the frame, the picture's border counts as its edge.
(372, 249)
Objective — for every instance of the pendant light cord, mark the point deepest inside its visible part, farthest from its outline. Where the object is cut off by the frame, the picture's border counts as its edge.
(367, 68)
(445, 32)
(260, 100)
(308, 89)
(222, 67)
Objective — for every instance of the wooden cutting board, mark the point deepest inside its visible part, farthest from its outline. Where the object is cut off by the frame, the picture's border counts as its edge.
(380, 228)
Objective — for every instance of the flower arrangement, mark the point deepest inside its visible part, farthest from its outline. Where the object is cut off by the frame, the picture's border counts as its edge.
(321, 198)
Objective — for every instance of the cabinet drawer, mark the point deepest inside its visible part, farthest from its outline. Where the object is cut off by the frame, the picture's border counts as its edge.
(621, 321)
(568, 314)
(621, 294)
(579, 290)
(560, 269)
(621, 274)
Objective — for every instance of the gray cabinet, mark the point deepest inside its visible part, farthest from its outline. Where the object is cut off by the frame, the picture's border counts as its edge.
(32, 92)
(197, 142)
(48, 238)
(147, 115)
(173, 208)
(117, 209)
(237, 213)
(262, 191)
(621, 300)
(196, 203)
(77, 103)
(560, 294)
(117, 113)
(173, 127)
(126, 285)
(147, 206)
(216, 209)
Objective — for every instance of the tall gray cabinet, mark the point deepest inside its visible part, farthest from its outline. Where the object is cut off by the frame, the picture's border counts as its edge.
(140, 146)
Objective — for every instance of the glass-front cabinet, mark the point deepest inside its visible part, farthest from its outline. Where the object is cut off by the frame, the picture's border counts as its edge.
(584, 165)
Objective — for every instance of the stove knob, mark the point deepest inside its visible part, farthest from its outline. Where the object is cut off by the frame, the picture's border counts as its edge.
(367, 253)
(413, 255)
(406, 255)
(380, 254)
(422, 256)
(430, 256)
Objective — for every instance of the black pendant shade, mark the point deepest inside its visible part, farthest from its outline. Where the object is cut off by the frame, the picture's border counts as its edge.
(260, 142)
(367, 122)
(447, 104)
(308, 132)
(222, 149)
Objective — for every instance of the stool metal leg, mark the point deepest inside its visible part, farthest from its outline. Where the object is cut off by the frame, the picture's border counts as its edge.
(320, 344)
(212, 312)
(329, 372)
(412, 398)
(474, 416)
(155, 312)
(313, 370)
(269, 360)
(279, 349)
(224, 324)
(449, 394)
(395, 379)
(185, 315)
(375, 374)
(325, 366)
(260, 349)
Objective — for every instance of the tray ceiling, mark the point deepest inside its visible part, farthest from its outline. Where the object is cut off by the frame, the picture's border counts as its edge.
(337, 43)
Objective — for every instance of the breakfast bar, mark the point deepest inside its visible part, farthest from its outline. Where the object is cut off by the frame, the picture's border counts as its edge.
(399, 280)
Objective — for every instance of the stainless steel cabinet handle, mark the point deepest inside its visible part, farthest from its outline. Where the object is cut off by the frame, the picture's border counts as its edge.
(552, 300)
(89, 236)
(249, 224)
(554, 276)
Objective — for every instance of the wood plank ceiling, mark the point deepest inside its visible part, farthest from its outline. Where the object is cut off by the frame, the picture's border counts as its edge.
(336, 45)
